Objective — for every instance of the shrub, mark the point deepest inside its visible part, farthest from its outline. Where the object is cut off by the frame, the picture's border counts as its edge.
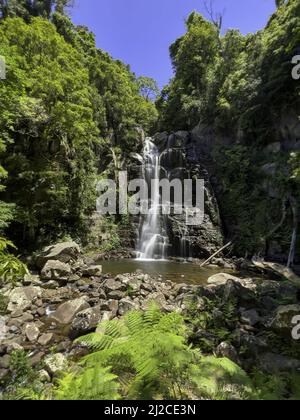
(11, 268)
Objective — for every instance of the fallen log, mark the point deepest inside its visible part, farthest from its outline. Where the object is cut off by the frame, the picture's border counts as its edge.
(215, 254)
(283, 271)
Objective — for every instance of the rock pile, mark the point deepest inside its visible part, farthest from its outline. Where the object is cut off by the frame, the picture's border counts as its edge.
(71, 297)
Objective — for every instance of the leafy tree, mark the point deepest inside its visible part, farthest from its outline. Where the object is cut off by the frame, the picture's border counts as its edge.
(27, 8)
(192, 55)
(48, 123)
(241, 88)
(65, 106)
(279, 3)
(148, 87)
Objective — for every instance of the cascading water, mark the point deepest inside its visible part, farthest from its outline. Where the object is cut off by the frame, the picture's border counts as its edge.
(174, 157)
(153, 240)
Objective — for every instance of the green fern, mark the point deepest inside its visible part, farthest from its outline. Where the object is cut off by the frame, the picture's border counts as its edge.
(88, 384)
(222, 379)
(149, 354)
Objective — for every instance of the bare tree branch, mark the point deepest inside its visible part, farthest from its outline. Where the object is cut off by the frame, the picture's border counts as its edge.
(216, 18)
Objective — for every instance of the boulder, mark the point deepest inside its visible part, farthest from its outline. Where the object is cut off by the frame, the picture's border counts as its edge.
(45, 339)
(274, 363)
(93, 271)
(116, 295)
(55, 363)
(113, 284)
(250, 317)
(21, 298)
(5, 361)
(31, 280)
(31, 332)
(44, 376)
(158, 298)
(282, 321)
(3, 374)
(66, 312)
(227, 286)
(221, 279)
(85, 322)
(56, 270)
(8, 346)
(36, 358)
(126, 305)
(65, 252)
(252, 345)
(228, 351)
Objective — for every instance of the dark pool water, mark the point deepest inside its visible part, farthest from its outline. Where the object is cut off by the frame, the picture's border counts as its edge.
(169, 270)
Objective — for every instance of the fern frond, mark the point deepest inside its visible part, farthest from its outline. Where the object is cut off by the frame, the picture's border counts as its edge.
(88, 384)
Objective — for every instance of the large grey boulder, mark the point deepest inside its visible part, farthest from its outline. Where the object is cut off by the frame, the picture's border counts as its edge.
(112, 285)
(66, 312)
(282, 321)
(56, 270)
(65, 252)
(21, 298)
(85, 322)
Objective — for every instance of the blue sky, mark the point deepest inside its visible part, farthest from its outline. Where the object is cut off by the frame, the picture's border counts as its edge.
(139, 32)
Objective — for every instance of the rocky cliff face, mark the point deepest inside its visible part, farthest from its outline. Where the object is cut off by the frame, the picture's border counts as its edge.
(260, 190)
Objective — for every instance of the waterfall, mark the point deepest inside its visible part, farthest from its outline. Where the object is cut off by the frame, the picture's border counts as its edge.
(184, 244)
(153, 241)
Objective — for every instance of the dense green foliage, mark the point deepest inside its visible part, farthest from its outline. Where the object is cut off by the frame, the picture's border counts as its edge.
(150, 359)
(66, 108)
(239, 91)
(27, 8)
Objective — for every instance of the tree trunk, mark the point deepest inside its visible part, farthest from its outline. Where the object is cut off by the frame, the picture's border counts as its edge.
(294, 207)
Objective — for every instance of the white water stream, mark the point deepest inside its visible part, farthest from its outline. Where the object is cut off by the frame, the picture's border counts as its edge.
(153, 240)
